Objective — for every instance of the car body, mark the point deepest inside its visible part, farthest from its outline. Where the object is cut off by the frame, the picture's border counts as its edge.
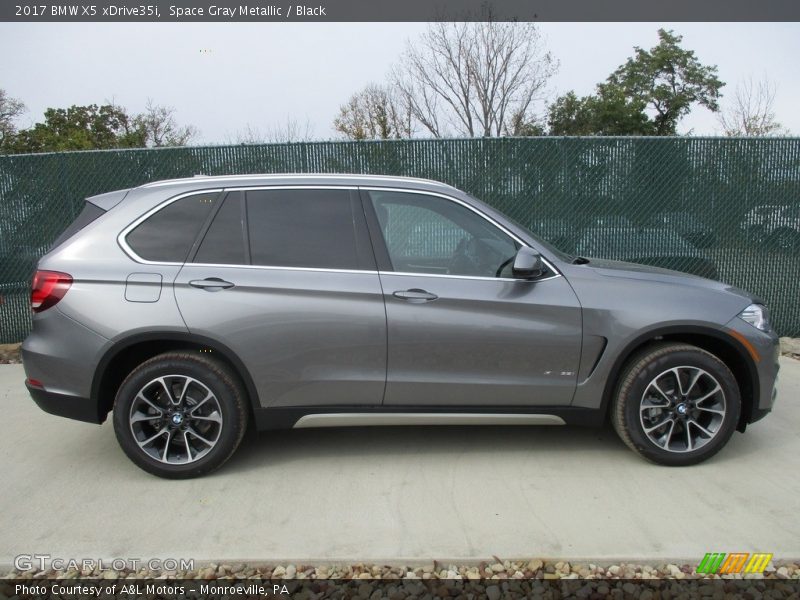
(194, 307)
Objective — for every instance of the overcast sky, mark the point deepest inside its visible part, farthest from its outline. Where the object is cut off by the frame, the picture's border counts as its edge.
(260, 75)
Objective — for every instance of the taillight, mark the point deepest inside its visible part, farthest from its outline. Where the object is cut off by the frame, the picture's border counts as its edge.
(48, 288)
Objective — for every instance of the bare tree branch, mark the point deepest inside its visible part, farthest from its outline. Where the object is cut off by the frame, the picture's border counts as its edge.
(474, 79)
(374, 113)
(751, 111)
(10, 109)
(290, 131)
(160, 127)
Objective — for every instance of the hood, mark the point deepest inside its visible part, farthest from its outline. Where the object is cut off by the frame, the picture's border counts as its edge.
(615, 268)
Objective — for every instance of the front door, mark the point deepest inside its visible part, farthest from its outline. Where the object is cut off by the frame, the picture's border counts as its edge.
(461, 329)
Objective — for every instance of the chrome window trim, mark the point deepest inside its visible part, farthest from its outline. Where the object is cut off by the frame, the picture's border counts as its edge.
(272, 268)
(123, 243)
(486, 217)
(131, 254)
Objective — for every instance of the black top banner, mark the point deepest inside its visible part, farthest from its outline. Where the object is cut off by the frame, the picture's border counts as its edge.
(397, 10)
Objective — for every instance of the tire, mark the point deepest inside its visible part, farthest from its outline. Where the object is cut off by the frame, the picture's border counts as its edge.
(642, 415)
(204, 417)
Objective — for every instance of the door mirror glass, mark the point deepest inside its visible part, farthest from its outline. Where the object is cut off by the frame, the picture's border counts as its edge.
(528, 263)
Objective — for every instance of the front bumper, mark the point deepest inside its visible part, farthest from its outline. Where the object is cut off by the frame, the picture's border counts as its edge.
(64, 405)
(763, 348)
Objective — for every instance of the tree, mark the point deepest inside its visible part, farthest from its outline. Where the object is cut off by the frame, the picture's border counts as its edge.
(374, 113)
(648, 95)
(474, 79)
(751, 111)
(290, 132)
(158, 126)
(96, 127)
(77, 128)
(10, 109)
(668, 80)
(608, 112)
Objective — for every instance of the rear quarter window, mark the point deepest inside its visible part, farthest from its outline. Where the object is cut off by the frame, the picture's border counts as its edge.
(168, 234)
(89, 213)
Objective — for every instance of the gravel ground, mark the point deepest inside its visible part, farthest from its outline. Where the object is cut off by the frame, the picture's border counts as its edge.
(9, 354)
(496, 569)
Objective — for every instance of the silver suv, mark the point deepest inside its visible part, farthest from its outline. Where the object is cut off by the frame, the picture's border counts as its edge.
(192, 308)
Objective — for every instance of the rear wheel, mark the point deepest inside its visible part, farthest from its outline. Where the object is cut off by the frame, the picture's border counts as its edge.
(676, 404)
(180, 415)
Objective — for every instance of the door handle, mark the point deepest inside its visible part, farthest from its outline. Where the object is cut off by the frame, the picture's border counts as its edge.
(211, 284)
(415, 295)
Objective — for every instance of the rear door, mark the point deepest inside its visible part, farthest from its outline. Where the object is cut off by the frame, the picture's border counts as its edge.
(462, 331)
(286, 278)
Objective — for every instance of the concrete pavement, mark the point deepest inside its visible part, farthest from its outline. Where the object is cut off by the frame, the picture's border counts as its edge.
(399, 494)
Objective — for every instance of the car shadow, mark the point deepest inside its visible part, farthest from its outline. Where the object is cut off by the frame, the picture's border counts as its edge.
(386, 444)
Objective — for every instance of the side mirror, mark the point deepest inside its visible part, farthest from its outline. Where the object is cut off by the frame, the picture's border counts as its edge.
(528, 263)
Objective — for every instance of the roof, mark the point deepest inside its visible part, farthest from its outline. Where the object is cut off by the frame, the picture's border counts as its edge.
(299, 178)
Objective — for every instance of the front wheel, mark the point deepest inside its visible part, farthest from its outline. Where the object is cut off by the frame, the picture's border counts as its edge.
(676, 404)
(180, 415)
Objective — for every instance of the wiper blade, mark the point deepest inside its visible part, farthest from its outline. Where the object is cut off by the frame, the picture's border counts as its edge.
(580, 260)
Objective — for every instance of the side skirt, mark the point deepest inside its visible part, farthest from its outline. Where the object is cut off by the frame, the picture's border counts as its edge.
(298, 417)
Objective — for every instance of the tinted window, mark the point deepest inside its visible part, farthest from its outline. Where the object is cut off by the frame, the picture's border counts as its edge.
(168, 234)
(223, 243)
(302, 228)
(428, 234)
(89, 213)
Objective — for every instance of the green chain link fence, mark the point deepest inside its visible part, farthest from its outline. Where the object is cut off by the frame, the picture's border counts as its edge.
(728, 208)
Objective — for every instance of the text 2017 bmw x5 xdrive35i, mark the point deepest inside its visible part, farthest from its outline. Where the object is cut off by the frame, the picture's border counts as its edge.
(192, 307)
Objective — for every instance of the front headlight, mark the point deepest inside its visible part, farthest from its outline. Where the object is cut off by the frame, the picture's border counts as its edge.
(757, 315)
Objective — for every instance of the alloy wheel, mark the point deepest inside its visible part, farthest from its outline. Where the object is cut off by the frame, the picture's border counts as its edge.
(682, 409)
(175, 419)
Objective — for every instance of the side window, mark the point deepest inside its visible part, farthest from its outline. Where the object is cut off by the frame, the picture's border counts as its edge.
(303, 228)
(168, 235)
(429, 234)
(223, 243)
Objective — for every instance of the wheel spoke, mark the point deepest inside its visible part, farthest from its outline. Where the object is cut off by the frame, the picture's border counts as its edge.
(693, 382)
(709, 394)
(711, 410)
(705, 431)
(141, 396)
(188, 448)
(183, 391)
(677, 375)
(655, 385)
(668, 437)
(168, 391)
(140, 416)
(668, 419)
(149, 440)
(209, 395)
(689, 445)
(166, 446)
(214, 416)
(199, 437)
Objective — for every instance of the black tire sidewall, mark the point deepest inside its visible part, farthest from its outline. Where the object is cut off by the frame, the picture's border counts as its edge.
(645, 371)
(211, 375)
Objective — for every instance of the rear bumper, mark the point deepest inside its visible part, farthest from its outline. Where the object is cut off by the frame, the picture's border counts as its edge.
(64, 405)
